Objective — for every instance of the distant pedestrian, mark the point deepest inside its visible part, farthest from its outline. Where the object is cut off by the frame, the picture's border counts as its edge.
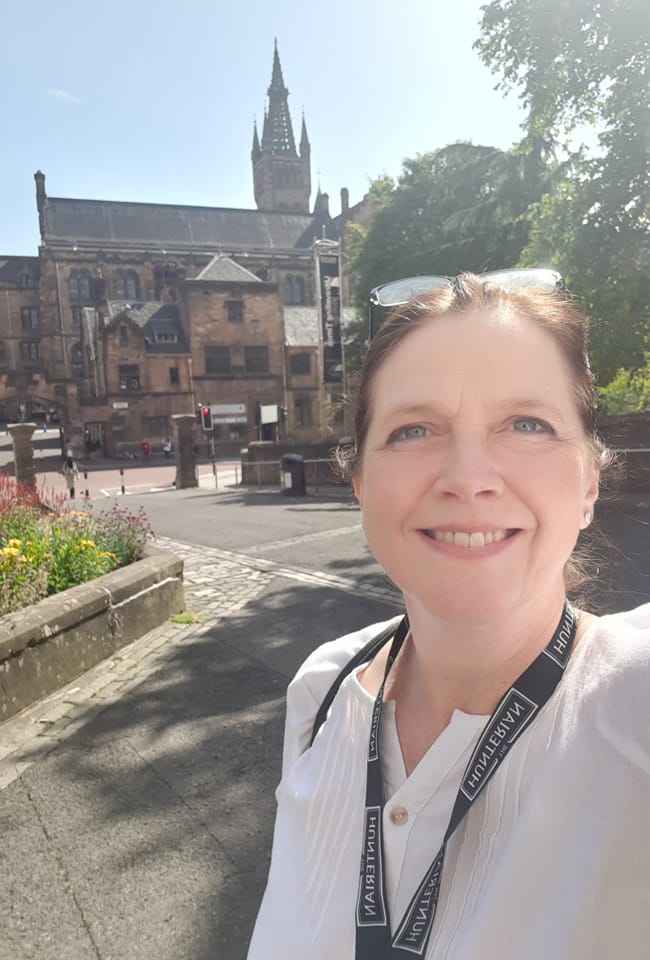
(167, 448)
(146, 451)
(70, 472)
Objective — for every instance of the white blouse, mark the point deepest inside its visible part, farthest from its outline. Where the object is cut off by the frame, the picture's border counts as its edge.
(551, 863)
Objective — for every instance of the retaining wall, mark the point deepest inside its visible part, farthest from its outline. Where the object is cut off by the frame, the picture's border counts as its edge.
(48, 644)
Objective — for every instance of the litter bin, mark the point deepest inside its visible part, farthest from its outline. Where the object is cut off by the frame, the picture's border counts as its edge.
(292, 474)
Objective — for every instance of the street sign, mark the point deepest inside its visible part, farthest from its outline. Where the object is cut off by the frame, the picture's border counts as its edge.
(228, 409)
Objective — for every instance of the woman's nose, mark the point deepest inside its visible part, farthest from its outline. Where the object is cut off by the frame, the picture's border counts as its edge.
(468, 470)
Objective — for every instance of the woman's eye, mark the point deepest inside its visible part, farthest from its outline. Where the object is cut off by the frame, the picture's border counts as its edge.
(531, 425)
(414, 432)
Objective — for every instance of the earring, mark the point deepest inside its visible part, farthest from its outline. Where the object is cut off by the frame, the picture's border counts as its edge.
(588, 517)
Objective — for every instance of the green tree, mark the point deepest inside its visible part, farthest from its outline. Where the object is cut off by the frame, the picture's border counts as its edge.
(577, 62)
(458, 208)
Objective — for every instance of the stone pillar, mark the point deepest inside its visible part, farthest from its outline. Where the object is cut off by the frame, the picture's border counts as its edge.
(183, 427)
(21, 438)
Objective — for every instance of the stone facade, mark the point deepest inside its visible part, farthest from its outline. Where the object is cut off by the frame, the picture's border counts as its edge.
(129, 313)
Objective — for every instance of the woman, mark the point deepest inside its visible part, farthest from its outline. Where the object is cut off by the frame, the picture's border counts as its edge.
(481, 790)
(70, 473)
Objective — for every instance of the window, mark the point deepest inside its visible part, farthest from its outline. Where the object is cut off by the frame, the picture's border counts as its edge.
(166, 337)
(25, 281)
(129, 374)
(3, 355)
(302, 407)
(80, 286)
(235, 311)
(126, 285)
(76, 360)
(76, 317)
(174, 378)
(30, 351)
(256, 359)
(156, 427)
(31, 318)
(217, 360)
(124, 334)
(300, 363)
(294, 290)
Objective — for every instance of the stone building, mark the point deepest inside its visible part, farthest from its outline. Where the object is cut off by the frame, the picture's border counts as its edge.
(133, 312)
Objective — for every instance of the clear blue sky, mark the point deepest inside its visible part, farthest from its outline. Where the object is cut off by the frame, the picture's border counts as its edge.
(154, 100)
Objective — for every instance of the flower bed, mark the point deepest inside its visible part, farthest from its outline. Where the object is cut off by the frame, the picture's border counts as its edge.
(74, 588)
(46, 548)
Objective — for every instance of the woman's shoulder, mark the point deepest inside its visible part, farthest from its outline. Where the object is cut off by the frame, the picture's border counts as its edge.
(323, 665)
(313, 680)
(614, 676)
(622, 639)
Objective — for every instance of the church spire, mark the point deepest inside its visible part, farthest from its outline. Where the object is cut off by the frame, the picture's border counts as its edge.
(256, 152)
(305, 149)
(281, 176)
(278, 132)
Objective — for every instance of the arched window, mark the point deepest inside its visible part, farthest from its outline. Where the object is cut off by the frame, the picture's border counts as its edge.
(126, 285)
(294, 290)
(132, 285)
(80, 286)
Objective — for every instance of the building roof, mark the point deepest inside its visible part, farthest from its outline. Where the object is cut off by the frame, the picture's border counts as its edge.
(156, 226)
(12, 269)
(160, 324)
(224, 270)
(301, 325)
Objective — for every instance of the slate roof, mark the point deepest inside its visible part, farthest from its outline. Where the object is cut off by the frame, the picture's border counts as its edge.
(152, 226)
(224, 270)
(301, 325)
(12, 267)
(155, 319)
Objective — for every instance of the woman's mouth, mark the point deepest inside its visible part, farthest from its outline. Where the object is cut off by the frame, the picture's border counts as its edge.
(472, 540)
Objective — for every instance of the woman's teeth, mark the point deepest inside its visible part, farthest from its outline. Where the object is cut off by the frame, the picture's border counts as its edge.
(469, 539)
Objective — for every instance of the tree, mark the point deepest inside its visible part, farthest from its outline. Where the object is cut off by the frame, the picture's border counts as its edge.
(579, 62)
(458, 208)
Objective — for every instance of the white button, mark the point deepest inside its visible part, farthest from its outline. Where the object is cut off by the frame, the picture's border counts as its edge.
(398, 816)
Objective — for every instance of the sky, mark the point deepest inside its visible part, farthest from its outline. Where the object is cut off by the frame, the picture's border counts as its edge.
(155, 100)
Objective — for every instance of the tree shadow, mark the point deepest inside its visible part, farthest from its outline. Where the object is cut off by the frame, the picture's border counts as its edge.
(166, 798)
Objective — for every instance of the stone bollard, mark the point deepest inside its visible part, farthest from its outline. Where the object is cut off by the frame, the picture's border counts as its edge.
(183, 426)
(24, 467)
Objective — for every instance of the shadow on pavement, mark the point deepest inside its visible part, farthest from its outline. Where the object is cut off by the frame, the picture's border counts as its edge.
(159, 811)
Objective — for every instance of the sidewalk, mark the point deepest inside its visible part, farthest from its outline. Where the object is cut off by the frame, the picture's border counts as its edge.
(137, 803)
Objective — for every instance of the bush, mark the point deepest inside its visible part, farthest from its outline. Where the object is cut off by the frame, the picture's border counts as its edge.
(628, 392)
(46, 548)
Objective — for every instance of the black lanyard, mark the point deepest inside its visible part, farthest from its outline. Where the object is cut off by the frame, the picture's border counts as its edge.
(516, 710)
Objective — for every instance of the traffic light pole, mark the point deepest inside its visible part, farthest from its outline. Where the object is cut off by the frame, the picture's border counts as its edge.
(212, 457)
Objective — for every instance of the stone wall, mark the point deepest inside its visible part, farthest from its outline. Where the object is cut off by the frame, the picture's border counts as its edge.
(44, 646)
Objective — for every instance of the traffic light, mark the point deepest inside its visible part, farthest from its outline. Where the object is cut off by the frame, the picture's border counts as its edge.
(206, 418)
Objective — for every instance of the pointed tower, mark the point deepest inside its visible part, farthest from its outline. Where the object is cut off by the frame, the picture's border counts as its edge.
(281, 175)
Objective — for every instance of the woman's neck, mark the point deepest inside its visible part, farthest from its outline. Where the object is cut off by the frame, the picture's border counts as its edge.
(458, 666)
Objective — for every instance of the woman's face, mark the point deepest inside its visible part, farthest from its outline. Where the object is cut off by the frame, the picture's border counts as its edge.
(475, 474)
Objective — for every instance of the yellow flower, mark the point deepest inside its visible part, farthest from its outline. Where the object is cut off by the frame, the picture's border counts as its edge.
(14, 542)
(11, 551)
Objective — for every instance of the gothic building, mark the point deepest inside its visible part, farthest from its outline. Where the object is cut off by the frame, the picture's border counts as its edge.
(133, 312)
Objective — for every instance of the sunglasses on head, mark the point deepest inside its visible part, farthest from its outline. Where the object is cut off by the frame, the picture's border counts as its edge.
(397, 292)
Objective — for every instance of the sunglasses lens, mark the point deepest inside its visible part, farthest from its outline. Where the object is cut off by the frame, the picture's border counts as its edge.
(401, 291)
(536, 278)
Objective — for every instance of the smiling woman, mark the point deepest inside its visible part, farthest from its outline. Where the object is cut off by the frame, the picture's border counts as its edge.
(413, 814)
